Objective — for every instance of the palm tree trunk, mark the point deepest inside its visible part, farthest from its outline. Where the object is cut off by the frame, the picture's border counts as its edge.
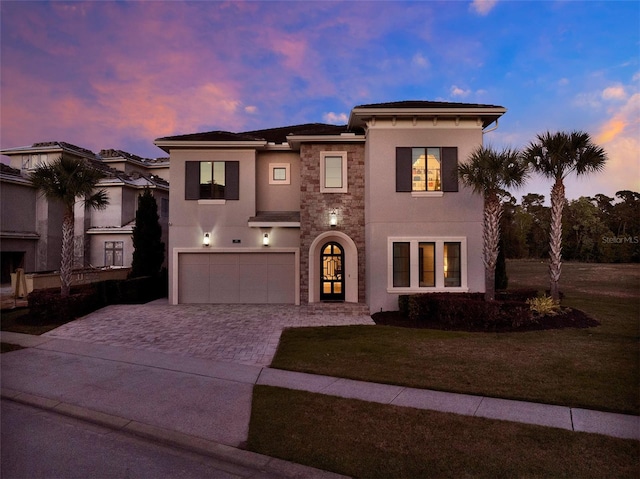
(66, 262)
(491, 237)
(555, 237)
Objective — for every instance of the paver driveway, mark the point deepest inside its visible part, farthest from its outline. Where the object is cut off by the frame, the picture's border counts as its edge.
(246, 334)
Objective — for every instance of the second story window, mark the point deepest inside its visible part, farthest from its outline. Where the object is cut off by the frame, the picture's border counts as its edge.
(212, 180)
(426, 171)
(333, 172)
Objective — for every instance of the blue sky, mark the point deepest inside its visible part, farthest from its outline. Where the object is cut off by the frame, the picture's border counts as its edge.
(120, 74)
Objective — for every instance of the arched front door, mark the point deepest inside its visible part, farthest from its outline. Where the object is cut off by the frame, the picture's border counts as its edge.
(332, 272)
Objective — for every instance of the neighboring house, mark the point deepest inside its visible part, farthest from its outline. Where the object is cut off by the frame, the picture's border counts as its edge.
(360, 213)
(31, 226)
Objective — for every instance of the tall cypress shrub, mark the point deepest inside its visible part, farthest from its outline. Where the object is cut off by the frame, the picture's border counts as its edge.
(148, 254)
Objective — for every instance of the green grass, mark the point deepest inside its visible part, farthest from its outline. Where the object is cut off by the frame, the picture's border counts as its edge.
(595, 368)
(380, 441)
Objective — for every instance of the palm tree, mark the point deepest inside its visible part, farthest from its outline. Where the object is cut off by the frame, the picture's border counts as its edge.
(556, 156)
(489, 173)
(67, 180)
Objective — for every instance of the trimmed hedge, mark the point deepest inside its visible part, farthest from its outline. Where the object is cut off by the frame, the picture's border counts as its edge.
(468, 311)
(47, 306)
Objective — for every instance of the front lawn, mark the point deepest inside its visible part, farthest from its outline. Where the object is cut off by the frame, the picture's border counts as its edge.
(595, 368)
(373, 440)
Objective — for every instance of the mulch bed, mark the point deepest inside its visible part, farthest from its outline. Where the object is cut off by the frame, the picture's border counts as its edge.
(568, 318)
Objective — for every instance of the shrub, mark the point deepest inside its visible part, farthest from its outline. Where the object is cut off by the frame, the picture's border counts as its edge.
(544, 305)
(468, 311)
(47, 306)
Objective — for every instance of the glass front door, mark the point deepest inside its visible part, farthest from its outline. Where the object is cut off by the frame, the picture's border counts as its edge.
(332, 272)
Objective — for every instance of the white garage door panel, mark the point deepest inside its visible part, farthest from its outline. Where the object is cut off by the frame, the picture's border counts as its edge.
(225, 281)
(282, 283)
(193, 278)
(236, 278)
(254, 287)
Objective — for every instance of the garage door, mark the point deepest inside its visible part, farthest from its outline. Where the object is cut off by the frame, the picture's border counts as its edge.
(236, 278)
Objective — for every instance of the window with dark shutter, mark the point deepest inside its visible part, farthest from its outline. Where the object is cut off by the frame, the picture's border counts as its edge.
(450, 169)
(212, 180)
(403, 169)
(426, 169)
(232, 175)
(192, 180)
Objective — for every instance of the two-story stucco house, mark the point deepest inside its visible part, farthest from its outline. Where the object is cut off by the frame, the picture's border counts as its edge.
(30, 225)
(360, 213)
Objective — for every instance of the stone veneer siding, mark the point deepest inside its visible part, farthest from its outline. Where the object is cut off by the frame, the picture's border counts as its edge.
(315, 207)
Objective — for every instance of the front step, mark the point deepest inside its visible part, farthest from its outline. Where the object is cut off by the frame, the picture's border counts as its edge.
(353, 309)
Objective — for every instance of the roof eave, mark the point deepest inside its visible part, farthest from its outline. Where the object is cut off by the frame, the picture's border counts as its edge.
(296, 140)
(359, 116)
(168, 145)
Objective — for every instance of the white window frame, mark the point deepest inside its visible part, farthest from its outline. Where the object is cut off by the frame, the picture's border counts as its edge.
(345, 184)
(275, 166)
(414, 264)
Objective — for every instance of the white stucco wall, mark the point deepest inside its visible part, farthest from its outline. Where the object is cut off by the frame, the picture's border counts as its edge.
(393, 214)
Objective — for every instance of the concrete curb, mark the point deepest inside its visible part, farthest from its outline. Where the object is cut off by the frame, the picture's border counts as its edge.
(248, 459)
(623, 426)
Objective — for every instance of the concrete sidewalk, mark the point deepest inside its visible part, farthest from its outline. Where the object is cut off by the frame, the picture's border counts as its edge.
(205, 405)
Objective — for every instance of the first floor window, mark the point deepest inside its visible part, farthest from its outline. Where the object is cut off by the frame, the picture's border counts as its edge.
(451, 266)
(400, 265)
(113, 253)
(427, 258)
(427, 264)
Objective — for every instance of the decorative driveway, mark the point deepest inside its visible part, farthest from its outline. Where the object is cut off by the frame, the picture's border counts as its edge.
(240, 333)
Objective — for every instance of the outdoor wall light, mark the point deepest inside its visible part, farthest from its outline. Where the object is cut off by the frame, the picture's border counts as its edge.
(206, 240)
(333, 218)
(265, 239)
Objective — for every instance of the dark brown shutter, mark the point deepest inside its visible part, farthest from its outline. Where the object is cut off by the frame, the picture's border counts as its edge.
(403, 169)
(192, 180)
(450, 169)
(232, 180)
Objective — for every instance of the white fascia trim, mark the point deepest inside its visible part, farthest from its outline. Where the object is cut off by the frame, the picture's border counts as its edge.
(427, 194)
(27, 235)
(209, 144)
(110, 230)
(296, 140)
(273, 224)
(359, 116)
(17, 180)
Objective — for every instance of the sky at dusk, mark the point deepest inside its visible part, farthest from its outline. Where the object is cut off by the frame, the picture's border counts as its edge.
(120, 74)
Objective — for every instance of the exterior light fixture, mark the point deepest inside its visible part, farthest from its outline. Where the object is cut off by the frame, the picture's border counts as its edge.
(333, 219)
(265, 239)
(206, 240)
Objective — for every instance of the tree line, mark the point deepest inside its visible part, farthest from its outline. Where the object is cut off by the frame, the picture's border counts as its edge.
(596, 229)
